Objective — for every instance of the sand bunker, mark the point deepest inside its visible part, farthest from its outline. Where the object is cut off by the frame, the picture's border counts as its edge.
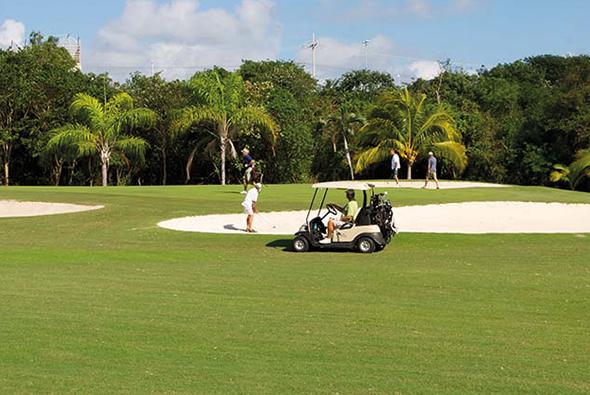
(468, 217)
(13, 208)
(431, 185)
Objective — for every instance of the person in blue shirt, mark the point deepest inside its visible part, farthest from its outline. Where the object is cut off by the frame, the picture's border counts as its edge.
(431, 170)
(250, 169)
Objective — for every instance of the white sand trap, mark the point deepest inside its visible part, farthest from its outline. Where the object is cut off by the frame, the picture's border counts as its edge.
(13, 208)
(416, 184)
(468, 217)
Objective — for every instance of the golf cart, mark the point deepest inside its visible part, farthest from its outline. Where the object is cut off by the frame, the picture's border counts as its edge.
(371, 229)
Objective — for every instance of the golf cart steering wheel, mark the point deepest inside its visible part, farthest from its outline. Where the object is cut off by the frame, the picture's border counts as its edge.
(331, 209)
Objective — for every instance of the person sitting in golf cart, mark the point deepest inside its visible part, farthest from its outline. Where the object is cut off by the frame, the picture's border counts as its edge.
(349, 212)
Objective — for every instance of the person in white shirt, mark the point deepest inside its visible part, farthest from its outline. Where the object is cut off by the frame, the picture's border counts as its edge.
(395, 165)
(249, 205)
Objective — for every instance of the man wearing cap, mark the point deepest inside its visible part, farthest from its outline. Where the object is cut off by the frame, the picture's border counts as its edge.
(249, 205)
(250, 170)
(395, 166)
(431, 170)
(348, 215)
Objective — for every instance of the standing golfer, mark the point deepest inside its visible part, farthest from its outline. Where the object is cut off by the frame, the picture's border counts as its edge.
(395, 166)
(250, 169)
(431, 171)
(249, 205)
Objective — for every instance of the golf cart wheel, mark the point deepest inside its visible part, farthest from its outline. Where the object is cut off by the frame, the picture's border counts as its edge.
(300, 244)
(366, 245)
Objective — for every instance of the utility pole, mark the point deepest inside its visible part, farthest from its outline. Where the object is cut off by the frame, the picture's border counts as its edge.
(366, 44)
(313, 45)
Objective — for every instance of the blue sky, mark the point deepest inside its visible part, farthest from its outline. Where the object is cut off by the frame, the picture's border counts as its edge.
(406, 37)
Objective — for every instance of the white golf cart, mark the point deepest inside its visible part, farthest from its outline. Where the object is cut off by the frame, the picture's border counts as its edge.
(371, 229)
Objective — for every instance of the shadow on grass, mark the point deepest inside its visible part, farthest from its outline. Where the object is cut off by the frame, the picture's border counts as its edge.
(284, 244)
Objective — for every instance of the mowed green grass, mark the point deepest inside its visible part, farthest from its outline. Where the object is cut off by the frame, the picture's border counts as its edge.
(106, 302)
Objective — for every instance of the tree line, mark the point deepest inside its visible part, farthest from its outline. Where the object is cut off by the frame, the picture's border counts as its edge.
(527, 122)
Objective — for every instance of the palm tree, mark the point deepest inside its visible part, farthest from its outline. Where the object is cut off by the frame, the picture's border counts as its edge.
(225, 110)
(102, 129)
(575, 172)
(404, 122)
(342, 124)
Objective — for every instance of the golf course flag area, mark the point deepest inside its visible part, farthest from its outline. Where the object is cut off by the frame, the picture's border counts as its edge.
(106, 301)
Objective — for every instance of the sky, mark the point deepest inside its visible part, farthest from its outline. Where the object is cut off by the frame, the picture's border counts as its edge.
(406, 38)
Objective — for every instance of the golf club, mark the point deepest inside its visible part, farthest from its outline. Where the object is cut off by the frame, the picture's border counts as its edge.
(266, 220)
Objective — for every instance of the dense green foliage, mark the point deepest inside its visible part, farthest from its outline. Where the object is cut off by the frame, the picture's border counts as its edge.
(132, 308)
(516, 121)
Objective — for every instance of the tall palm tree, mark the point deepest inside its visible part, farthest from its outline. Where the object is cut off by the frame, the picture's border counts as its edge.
(403, 121)
(342, 123)
(575, 172)
(102, 129)
(224, 109)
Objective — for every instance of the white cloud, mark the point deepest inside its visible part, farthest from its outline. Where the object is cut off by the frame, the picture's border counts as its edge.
(420, 8)
(386, 10)
(181, 38)
(464, 5)
(425, 69)
(336, 57)
(11, 32)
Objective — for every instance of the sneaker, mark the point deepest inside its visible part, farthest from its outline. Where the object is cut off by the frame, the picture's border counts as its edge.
(325, 241)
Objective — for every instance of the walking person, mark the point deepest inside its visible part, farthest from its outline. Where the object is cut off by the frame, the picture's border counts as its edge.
(431, 170)
(395, 166)
(250, 205)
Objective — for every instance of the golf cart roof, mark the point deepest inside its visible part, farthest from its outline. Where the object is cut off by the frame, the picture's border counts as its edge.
(355, 185)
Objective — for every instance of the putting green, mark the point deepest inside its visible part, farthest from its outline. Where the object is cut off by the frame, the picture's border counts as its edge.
(105, 301)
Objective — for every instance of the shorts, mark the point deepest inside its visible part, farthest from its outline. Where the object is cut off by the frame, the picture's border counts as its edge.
(394, 173)
(248, 208)
(337, 222)
(248, 174)
(431, 174)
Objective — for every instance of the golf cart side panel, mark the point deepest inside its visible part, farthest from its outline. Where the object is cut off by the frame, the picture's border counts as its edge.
(349, 235)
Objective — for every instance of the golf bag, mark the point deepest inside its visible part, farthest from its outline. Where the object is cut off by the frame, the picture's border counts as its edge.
(382, 215)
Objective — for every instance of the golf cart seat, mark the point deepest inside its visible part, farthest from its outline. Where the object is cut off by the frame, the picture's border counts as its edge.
(363, 217)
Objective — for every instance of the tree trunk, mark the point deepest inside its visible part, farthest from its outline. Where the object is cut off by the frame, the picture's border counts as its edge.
(105, 174)
(189, 164)
(57, 167)
(223, 149)
(409, 171)
(348, 159)
(6, 172)
(164, 167)
(105, 155)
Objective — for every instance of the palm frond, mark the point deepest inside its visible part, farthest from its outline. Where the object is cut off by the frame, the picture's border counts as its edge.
(452, 151)
(132, 147)
(119, 103)
(191, 116)
(258, 117)
(372, 155)
(88, 110)
(137, 118)
(76, 136)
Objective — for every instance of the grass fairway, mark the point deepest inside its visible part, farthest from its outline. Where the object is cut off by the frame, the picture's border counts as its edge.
(106, 302)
